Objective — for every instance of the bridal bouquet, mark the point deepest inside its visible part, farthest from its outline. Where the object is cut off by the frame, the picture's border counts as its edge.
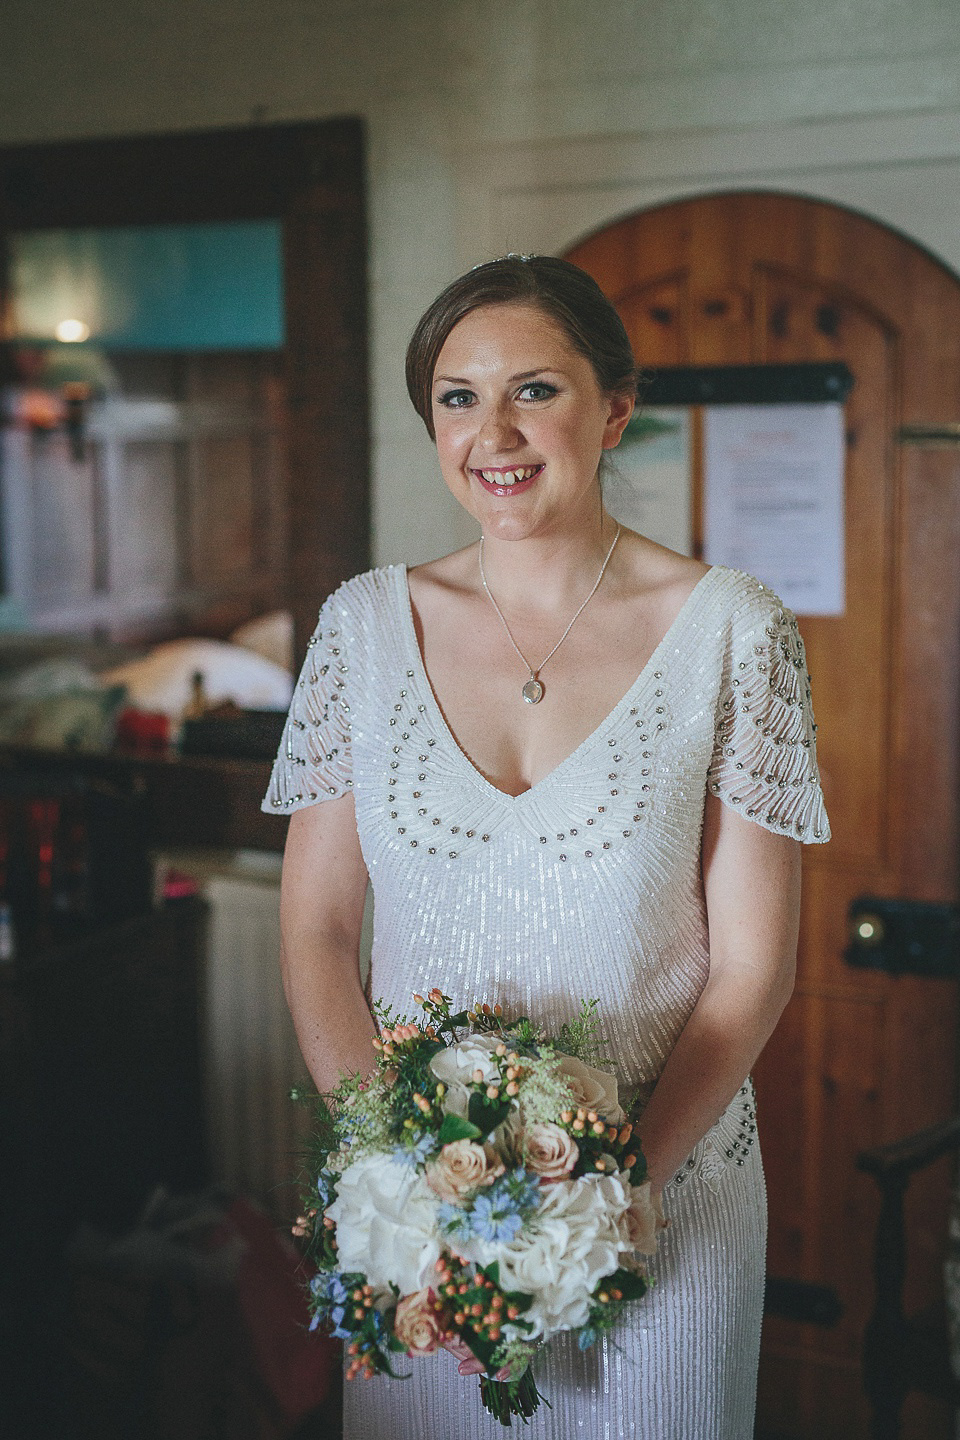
(481, 1185)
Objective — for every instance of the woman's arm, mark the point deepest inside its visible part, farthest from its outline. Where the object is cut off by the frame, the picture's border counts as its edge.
(322, 896)
(751, 881)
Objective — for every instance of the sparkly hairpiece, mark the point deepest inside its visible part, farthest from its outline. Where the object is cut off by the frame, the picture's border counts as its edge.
(511, 255)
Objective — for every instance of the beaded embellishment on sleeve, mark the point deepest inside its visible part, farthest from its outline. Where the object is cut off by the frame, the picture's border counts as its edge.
(314, 760)
(765, 755)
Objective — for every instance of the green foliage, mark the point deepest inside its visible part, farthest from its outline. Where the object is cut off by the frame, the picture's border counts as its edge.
(486, 1114)
(453, 1128)
(582, 1037)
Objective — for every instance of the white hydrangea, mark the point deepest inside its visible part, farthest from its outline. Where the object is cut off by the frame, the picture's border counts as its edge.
(386, 1218)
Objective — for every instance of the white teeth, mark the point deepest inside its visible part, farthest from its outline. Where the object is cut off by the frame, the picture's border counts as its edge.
(508, 477)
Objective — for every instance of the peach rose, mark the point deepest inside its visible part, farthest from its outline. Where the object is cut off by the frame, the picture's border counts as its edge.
(461, 1166)
(418, 1324)
(644, 1220)
(549, 1151)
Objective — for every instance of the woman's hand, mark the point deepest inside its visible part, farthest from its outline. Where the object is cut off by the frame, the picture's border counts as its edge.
(751, 881)
(468, 1364)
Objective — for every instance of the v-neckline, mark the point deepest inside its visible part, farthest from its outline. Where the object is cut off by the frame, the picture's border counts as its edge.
(416, 657)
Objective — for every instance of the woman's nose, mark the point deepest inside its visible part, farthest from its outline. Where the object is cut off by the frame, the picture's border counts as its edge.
(498, 430)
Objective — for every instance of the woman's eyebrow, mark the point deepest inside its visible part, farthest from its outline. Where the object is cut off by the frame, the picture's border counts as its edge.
(512, 379)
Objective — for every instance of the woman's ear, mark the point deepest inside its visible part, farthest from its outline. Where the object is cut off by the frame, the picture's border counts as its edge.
(621, 408)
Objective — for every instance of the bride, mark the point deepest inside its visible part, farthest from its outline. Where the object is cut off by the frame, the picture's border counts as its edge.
(572, 764)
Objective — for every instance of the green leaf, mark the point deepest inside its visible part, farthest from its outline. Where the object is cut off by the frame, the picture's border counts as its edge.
(487, 1114)
(453, 1128)
(632, 1286)
(457, 1020)
(492, 1272)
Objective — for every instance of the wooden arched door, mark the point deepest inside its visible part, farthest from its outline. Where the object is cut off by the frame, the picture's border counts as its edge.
(860, 1057)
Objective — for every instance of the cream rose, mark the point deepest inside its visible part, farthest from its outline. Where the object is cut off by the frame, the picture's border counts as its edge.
(461, 1166)
(644, 1220)
(417, 1323)
(549, 1151)
(455, 1066)
(592, 1089)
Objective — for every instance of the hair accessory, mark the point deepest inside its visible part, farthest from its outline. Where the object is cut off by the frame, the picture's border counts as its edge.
(532, 690)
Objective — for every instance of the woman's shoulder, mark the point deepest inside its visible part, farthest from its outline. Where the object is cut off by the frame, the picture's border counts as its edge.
(374, 592)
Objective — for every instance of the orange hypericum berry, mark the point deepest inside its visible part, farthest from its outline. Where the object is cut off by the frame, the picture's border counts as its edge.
(617, 1294)
(498, 1009)
(494, 1332)
(459, 1318)
(418, 999)
(476, 1309)
(497, 1302)
(577, 1125)
(357, 1295)
(436, 996)
(501, 1049)
(377, 1043)
(603, 1297)
(566, 1116)
(601, 1163)
(462, 1289)
(358, 1313)
(512, 1312)
(478, 1077)
(625, 1133)
(592, 1116)
(486, 1009)
(598, 1127)
(582, 1114)
(353, 1347)
(513, 1088)
(629, 1162)
(493, 1092)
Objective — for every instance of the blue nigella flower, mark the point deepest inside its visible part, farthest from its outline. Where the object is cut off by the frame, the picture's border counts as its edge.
(338, 1315)
(455, 1220)
(324, 1188)
(493, 1218)
(414, 1155)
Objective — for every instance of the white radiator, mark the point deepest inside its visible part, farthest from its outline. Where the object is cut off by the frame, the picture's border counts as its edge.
(256, 1133)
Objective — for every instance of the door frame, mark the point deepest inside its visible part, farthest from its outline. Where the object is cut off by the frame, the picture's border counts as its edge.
(312, 178)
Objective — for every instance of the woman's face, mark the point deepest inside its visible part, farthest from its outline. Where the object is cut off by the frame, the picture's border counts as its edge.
(521, 422)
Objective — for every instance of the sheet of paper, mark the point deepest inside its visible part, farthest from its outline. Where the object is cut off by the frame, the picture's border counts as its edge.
(774, 499)
(647, 481)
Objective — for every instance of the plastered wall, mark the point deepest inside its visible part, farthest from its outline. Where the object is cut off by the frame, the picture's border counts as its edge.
(456, 94)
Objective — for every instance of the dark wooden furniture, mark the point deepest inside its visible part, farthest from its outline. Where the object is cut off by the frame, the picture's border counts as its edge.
(903, 1353)
(100, 1101)
(191, 800)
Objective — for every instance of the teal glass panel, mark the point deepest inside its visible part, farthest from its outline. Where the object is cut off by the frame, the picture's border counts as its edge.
(157, 287)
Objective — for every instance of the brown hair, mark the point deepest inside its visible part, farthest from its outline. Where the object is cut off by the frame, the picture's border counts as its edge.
(564, 292)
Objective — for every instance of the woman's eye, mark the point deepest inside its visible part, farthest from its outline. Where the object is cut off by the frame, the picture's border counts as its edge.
(537, 390)
(456, 399)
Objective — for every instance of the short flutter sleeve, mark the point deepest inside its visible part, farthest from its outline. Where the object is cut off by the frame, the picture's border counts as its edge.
(764, 761)
(314, 761)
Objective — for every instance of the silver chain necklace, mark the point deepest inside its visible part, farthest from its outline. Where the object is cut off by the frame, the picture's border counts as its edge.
(532, 690)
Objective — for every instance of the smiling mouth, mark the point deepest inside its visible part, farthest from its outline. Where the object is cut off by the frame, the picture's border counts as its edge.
(501, 479)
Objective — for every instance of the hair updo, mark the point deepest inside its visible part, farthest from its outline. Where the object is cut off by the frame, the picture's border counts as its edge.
(563, 292)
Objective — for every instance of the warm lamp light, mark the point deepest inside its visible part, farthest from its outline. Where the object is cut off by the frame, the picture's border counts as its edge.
(72, 331)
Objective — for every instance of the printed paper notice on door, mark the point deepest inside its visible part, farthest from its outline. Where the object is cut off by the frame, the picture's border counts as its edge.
(774, 499)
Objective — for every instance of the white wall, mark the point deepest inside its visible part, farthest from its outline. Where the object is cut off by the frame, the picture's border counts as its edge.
(518, 124)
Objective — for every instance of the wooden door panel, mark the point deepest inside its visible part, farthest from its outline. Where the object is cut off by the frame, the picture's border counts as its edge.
(656, 319)
(797, 320)
(860, 1057)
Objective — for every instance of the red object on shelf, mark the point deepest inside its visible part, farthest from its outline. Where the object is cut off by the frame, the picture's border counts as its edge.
(145, 732)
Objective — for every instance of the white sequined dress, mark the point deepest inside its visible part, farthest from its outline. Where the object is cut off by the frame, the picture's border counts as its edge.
(586, 885)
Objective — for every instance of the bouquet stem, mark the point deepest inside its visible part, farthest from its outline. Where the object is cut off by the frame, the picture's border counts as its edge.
(506, 1398)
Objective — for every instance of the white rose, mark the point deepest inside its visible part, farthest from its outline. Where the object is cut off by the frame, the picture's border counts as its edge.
(455, 1066)
(592, 1089)
(385, 1216)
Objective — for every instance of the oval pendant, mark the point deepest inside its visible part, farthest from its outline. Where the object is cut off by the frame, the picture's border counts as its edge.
(532, 692)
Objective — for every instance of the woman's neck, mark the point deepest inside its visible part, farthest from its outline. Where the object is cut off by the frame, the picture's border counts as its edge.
(547, 573)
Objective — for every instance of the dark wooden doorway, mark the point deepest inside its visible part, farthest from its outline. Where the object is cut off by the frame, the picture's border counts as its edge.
(311, 177)
(861, 1057)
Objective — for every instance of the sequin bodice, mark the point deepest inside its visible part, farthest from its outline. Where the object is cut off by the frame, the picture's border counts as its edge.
(587, 885)
(523, 899)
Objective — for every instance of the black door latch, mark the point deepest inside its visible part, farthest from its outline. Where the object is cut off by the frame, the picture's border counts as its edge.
(905, 937)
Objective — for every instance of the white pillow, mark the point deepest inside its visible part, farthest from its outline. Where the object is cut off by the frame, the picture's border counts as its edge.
(162, 680)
